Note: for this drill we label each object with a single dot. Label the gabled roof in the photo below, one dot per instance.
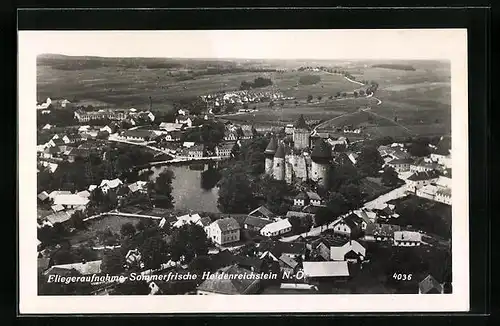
(87, 268)
(205, 221)
(261, 211)
(288, 260)
(407, 236)
(400, 161)
(428, 284)
(43, 196)
(277, 226)
(230, 285)
(302, 195)
(313, 196)
(278, 247)
(444, 146)
(338, 253)
(70, 200)
(427, 175)
(256, 222)
(111, 183)
(227, 224)
(59, 217)
(385, 230)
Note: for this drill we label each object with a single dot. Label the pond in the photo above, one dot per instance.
(194, 186)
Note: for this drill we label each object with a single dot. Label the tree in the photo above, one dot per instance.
(355, 94)
(323, 216)
(188, 241)
(76, 220)
(361, 92)
(235, 191)
(420, 147)
(276, 194)
(337, 204)
(161, 189)
(319, 98)
(330, 97)
(390, 177)
(127, 230)
(369, 161)
(344, 94)
(154, 252)
(338, 94)
(309, 98)
(113, 262)
(201, 264)
(352, 194)
(296, 225)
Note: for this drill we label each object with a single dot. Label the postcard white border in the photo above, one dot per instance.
(448, 44)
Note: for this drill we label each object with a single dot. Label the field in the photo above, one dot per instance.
(418, 100)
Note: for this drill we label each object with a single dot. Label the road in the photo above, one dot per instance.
(313, 232)
(379, 202)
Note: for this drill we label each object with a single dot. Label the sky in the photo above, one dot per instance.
(250, 44)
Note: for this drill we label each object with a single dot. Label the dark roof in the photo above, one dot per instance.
(58, 141)
(310, 209)
(301, 123)
(272, 146)
(418, 176)
(205, 221)
(321, 150)
(280, 152)
(230, 285)
(222, 259)
(256, 222)
(139, 133)
(263, 211)
(277, 248)
(83, 152)
(428, 284)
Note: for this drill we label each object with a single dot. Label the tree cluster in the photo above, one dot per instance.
(257, 83)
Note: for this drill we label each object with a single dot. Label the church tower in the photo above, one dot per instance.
(279, 163)
(269, 154)
(321, 157)
(301, 134)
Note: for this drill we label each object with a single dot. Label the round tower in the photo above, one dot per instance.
(269, 154)
(279, 163)
(321, 158)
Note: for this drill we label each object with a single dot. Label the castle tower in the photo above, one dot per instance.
(301, 134)
(321, 159)
(279, 163)
(269, 154)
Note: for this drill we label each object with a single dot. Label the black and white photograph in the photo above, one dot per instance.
(270, 165)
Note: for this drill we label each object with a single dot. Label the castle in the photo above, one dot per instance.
(298, 163)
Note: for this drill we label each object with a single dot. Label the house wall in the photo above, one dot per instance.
(300, 139)
(342, 228)
(269, 166)
(443, 199)
(406, 243)
(319, 173)
(230, 236)
(298, 202)
(279, 168)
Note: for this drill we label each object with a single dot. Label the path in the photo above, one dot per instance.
(379, 202)
(313, 232)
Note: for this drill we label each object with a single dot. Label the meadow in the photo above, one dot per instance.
(419, 100)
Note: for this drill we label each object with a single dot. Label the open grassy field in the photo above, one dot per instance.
(418, 99)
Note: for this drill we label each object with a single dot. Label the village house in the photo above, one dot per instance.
(196, 151)
(247, 132)
(170, 126)
(173, 136)
(188, 219)
(420, 179)
(442, 154)
(325, 270)
(71, 201)
(224, 149)
(276, 228)
(48, 127)
(351, 251)
(407, 238)
(58, 217)
(307, 197)
(231, 285)
(270, 248)
(137, 186)
(107, 129)
(230, 135)
(400, 165)
(367, 216)
(262, 212)
(83, 268)
(423, 164)
(55, 142)
(224, 231)
(106, 185)
(443, 195)
(137, 135)
(350, 226)
(255, 223)
(75, 153)
(430, 285)
(380, 232)
(185, 120)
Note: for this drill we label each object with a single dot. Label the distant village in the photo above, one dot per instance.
(260, 241)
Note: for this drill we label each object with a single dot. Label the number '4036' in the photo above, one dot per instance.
(402, 277)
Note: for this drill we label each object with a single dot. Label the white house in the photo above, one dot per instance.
(224, 231)
(443, 195)
(169, 126)
(420, 179)
(307, 198)
(106, 128)
(407, 238)
(47, 127)
(276, 228)
(106, 185)
(184, 120)
(224, 150)
(352, 251)
(69, 201)
(350, 226)
(187, 219)
(400, 165)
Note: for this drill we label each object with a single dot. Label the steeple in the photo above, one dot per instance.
(272, 146)
(280, 152)
(321, 151)
(301, 123)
